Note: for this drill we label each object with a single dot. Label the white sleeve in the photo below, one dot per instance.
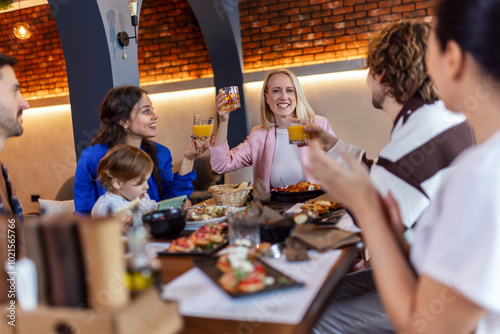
(464, 247)
(355, 151)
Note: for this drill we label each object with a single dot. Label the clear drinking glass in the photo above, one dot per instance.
(243, 226)
(233, 98)
(203, 126)
(296, 133)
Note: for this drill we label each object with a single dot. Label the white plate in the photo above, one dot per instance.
(193, 225)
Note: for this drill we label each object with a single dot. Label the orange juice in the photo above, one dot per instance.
(203, 130)
(297, 135)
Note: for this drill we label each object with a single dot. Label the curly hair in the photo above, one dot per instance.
(302, 110)
(125, 163)
(117, 107)
(399, 51)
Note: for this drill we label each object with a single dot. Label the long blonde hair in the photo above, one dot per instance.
(302, 110)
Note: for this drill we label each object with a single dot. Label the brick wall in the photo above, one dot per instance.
(275, 33)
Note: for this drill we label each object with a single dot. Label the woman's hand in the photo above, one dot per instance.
(197, 147)
(220, 100)
(326, 139)
(348, 182)
(187, 204)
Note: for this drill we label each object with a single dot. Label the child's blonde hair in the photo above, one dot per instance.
(125, 163)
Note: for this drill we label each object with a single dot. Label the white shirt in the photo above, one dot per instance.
(457, 242)
(287, 167)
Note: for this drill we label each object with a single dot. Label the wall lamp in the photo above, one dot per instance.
(123, 38)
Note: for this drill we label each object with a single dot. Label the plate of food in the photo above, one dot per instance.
(324, 212)
(239, 273)
(206, 240)
(198, 216)
(301, 191)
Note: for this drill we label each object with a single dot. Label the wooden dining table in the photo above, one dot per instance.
(175, 266)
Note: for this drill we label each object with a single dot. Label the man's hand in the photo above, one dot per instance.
(327, 140)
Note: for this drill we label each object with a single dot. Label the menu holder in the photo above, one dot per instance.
(146, 314)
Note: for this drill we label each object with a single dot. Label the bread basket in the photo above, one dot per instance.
(230, 194)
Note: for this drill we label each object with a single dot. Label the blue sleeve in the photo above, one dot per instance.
(173, 184)
(87, 189)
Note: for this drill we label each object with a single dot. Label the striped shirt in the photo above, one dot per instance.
(424, 141)
(14, 203)
(108, 204)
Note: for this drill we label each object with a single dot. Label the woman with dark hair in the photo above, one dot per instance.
(450, 284)
(128, 118)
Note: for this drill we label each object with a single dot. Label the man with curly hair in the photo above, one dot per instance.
(425, 139)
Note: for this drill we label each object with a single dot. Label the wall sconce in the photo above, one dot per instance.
(123, 38)
(21, 29)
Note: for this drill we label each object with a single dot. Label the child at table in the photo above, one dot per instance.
(124, 172)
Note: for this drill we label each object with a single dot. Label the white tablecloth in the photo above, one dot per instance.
(199, 296)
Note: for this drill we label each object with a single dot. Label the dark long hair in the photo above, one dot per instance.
(117, 107)
(475, 26)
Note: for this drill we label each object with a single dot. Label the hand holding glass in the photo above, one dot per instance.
(203, 127)
(232, 98)
(296, 133)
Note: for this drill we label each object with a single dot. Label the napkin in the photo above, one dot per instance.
(260, 192)
(295, 250)
(322, 238)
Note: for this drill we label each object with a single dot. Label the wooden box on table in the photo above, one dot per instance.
(145, 314)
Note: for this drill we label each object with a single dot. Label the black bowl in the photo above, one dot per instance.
(165, 224)
(278, 231)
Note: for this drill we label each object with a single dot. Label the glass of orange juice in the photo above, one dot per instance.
(232, 101)
(296, 133)
(203, 126)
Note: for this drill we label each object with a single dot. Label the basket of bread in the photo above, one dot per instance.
(230, 194)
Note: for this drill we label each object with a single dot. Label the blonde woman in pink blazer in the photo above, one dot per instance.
(274, 160)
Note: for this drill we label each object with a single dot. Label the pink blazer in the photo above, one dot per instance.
(258, 150)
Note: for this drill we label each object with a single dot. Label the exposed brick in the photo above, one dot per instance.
(414, 14)
(282, 47)
(355, 16)
(389, 3)
(366, 6)
(333, 18)
(316, 49)
(390, 17)
(367, 21)
(332, 4)
(310, 9)
(274, 33)
(343, 10)
(353, 2)
(404, 8)
(314, 36)
(343, 39)
(302, 44)
(300, 31)
(345, 24)
(323, 13)
(424, 4)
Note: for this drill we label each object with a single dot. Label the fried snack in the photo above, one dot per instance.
(320, 207)
(299, 187)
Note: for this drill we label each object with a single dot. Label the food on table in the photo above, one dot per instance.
(206, 236)
(242, 272)
(318, 208)
(299, 187)
(198, 213)
(301, 218)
